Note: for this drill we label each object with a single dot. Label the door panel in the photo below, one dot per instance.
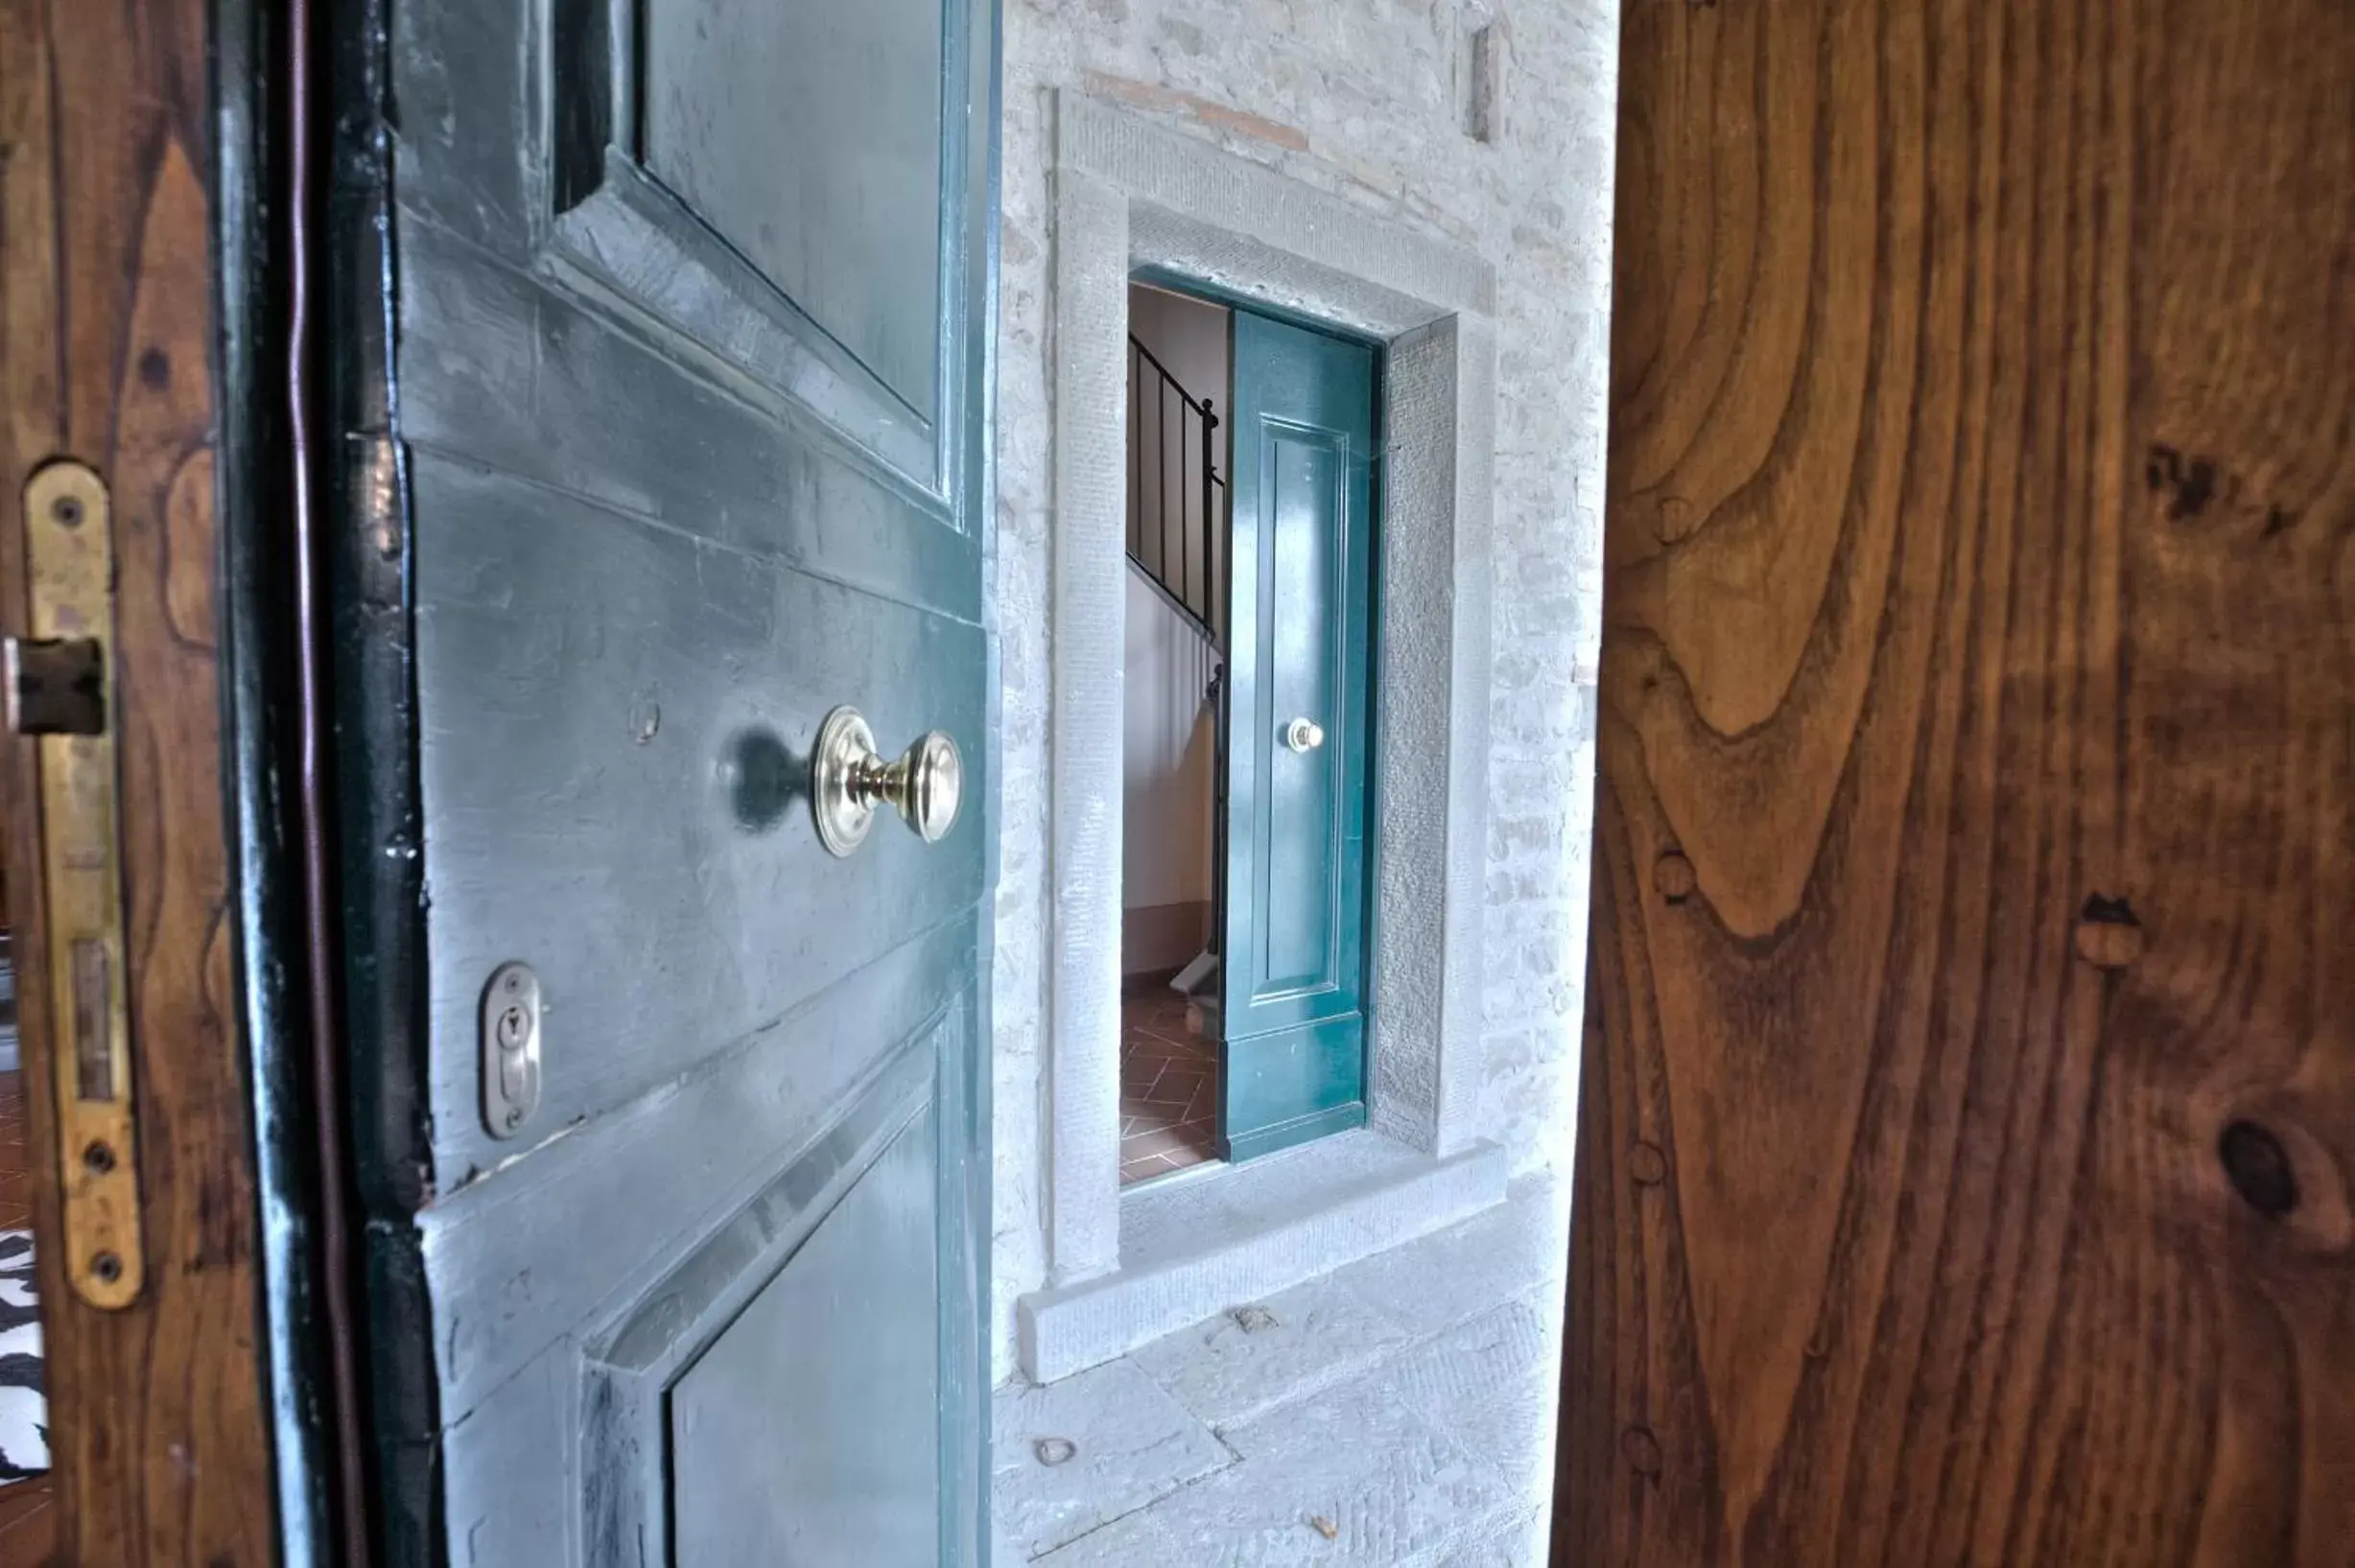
(509, 1250)
(574, 1439)
(808, 138)
(1969, 1097)
(1299, 812)
(703, 457)
(810, 238)
(864, 1489)
(627, 675)
(570, 1441)
(839, 1249)
(1294, 970)
(695, 468)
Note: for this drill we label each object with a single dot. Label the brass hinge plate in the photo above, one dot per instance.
(69, 560)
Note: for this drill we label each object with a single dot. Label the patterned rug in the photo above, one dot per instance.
(24, 1409)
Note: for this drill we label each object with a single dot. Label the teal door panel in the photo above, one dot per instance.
(1295, 1083)
(694, 312)
(1299, 724)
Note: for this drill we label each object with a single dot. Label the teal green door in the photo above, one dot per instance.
(689, 455)
(1298, 733)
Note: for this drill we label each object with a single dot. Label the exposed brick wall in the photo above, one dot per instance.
(1371, 100)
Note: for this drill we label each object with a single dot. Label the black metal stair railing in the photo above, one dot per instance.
(1177, 507)
(1176, 496)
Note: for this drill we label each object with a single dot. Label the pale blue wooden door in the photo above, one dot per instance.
(1299, 731)
(687, 306)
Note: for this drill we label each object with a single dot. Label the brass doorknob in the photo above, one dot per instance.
(848, 779)
(1304, 735)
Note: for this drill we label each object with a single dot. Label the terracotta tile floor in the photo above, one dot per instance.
(1168, 1089)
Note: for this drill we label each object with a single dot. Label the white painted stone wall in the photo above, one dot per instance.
(1166, 758)
(1371, 100)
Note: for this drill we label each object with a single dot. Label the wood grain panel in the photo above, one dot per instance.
(105, 302)
(1969, 1106)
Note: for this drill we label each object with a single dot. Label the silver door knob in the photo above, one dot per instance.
(1304, 735)
(848, 779)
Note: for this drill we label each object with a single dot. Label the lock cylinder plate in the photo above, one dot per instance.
(510, 1049)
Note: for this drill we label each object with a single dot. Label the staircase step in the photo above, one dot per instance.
(1198, 977)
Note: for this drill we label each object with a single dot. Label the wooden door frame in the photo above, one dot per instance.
(135, 282)
(236, 1263)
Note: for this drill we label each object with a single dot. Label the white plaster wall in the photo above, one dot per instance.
(1370, 100)
(1165, 756)
(1189, 338)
